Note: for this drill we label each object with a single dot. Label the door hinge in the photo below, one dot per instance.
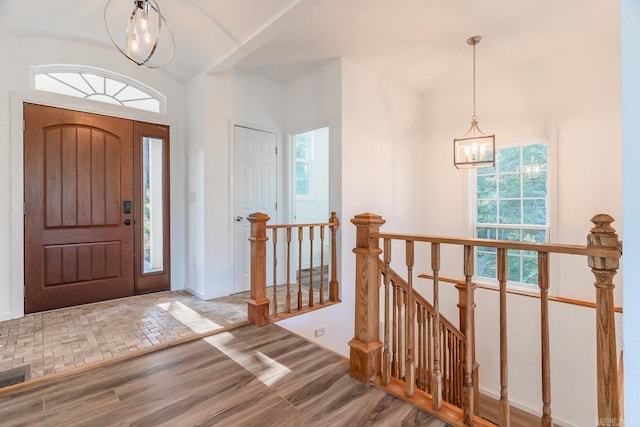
(24, 125)
(24, 208)
(276, 151)
(276, 205)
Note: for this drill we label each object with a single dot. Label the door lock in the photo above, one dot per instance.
(127, 222)
(239, 219)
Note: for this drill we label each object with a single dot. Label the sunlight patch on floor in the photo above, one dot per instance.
(267, 370)
(189, 317)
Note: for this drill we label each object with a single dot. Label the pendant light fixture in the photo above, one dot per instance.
(138, 37)
(475, 149)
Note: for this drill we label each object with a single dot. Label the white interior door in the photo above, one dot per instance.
(255, 191)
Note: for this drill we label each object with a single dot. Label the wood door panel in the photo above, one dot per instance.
(80, 170)
(62, 263)
(82, 178)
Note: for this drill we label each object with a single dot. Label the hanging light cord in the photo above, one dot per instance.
(474, 118)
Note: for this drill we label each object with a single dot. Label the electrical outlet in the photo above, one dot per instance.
(319, 331)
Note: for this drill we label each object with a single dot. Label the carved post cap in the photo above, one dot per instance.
(604, 236)
(258, 217)
(602, 224)
(334, 218)
(367, 219)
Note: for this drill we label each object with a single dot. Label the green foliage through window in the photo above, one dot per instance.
(511, 204)
(302, 144)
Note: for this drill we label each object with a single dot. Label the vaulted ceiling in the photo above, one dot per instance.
(417, 43)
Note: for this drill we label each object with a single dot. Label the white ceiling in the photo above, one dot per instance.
(417, 43)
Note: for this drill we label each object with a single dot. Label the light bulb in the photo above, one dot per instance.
(133, 43)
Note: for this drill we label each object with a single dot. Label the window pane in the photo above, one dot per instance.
(513, 266)
(535, 155)
(486, 265)
(486, 187)
(509, 159)
(152, 179)
(530, 270)
(301, 141)
(534, 184)
(487, 212)
(509, 185)
(534, 236)
(89, 85)
(302, 178)
(535, 211)
(510, 212)
(509, 234)
(486, 233)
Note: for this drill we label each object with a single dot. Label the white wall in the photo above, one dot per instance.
(576, 97)
(20, 54)
(215, 104)
(630, 14)
(381, 149)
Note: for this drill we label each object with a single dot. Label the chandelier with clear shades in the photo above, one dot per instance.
(139, 37)
(475, 149)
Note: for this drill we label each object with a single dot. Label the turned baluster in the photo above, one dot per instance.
(396, 332)
(421, 332)
(333, 285)
(288, 269)
(300, 237)
(322, 264)
(311, 266)
(410, 369)
(468, 403)
(274, 237)
(504, 415)
(436, 377)
(543, 282)
(603, 236)
(429, 364)
(386, 357)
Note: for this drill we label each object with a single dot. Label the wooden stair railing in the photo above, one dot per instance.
(439, 343)
(371, 359)
(307, 293)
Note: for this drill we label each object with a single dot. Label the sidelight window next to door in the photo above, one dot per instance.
(96, 198)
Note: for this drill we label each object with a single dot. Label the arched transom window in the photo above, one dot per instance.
(99, 85)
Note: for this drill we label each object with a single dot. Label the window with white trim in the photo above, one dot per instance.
(97, 84)
(511, 203)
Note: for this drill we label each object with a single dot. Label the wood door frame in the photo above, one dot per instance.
(279, 191)
(17, 169)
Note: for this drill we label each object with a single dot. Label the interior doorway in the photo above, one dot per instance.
(310, 185)
(93, 196)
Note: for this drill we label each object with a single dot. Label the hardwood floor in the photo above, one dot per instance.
(247, 376)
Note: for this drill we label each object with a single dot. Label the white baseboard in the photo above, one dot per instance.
(208, 295)
(7, 316)
(535, 411)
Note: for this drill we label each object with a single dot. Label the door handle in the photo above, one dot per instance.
(239, 219)
(127, 222)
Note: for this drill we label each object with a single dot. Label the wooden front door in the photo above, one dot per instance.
(79, 231)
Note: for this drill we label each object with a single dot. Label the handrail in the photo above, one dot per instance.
(508, 244)
(562, 300)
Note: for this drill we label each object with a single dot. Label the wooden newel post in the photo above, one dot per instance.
(603, 236)
(258, 303)
(365, 353)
